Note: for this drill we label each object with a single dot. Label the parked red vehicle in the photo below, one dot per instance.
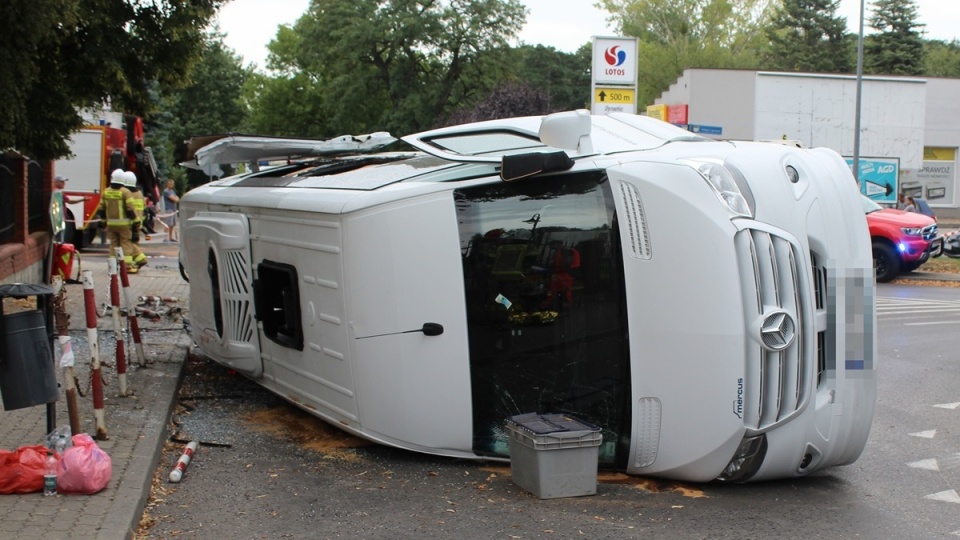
(902, 241)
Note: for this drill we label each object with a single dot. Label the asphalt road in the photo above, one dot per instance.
(268, 470)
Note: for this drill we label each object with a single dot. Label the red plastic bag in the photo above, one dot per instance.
(84, 467)
(21, 471)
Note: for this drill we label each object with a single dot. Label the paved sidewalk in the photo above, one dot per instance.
(136, 425)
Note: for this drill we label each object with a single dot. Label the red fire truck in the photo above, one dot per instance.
(110, 141)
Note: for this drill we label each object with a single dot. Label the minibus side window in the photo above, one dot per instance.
(277, 298)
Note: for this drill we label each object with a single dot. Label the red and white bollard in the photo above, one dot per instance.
(90, 303)
(133, 324)
(147, 312)
(117, 325)
(151, 299)
(177, 473)
(67, 358)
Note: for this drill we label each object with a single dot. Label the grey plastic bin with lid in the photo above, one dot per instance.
(554, 455)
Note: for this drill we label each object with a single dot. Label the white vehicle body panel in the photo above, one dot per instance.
(690, 369)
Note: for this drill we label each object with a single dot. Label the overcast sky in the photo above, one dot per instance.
(564, 24)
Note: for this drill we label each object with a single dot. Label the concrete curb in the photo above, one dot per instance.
(123, 520)
(929, 276)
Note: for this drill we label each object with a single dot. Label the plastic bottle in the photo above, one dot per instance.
(50, 475)
(61, 444)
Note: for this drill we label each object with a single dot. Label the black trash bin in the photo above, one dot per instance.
(27, 376)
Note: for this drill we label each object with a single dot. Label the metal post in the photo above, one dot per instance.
(67, 358)
(117, 326)
(45, 305)
(856, 120)
(90, 303)
(133, 324)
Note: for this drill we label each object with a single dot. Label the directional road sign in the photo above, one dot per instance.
(614, 96)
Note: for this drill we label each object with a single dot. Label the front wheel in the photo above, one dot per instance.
(886, 262)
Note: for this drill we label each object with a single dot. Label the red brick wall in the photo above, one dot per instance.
(27, 248)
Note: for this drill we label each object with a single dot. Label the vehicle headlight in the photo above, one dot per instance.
(911, 231)
(746, 460)
(733, 192)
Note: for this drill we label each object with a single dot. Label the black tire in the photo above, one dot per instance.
(886, 262)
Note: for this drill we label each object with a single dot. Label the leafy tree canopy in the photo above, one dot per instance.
(61, 55)
(397, 65)
(941, 59)
(808, 35)
(896, 48)
(679, 34)
(211, 102)
(511, 99)
(563, 78)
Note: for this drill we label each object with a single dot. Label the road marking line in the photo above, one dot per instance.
(928, 464)
(950, 406)
(930, 323)
(925, 434)
(950, 496)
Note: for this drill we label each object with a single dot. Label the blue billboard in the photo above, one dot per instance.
(879, 178)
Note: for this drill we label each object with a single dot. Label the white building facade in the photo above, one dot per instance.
(912, 123)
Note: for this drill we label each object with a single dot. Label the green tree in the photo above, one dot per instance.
(941, 59)
(510, 99)
(896, 48)
(61, 55)
(397, 65)
(289, 100)
(212, 102)
(808, 35)
(564, 78)
(678, 34)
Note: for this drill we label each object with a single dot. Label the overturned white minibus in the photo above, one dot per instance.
(709, 305)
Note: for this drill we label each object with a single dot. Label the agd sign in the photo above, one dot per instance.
(879, 178)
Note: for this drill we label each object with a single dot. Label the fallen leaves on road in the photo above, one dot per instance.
(926, 283)
(308, 431)
(607, 477)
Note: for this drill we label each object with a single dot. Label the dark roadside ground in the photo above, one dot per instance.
(266, 469)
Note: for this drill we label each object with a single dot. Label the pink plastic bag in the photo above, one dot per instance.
(21, 471)
(84, 467)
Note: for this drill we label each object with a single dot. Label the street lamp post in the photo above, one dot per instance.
(856, 118)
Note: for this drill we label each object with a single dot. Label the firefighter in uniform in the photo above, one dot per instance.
(139, 204)
(116, 213)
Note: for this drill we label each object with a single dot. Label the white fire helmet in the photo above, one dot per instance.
(118, 177)
(131, 179)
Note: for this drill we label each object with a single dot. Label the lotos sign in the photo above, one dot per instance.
(614, 60)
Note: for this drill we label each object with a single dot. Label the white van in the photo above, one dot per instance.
(709, 305)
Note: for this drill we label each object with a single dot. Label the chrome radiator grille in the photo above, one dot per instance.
(776, 377)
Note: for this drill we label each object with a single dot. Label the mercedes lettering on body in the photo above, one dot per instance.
(709, 305)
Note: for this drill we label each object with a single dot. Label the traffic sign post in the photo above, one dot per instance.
(614, 76)
(614, 99)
